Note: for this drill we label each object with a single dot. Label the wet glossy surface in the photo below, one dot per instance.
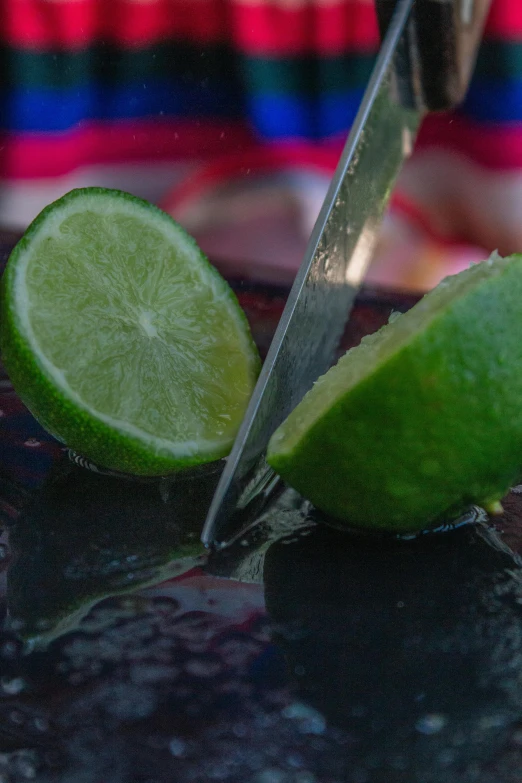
(126, 657)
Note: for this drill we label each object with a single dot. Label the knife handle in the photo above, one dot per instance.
(435, 64)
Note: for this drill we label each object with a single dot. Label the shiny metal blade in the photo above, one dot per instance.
(330, 275)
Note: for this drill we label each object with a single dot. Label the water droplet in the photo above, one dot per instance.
(25, 766)
(32, 443)
(295, 760)
(310, 721)
(431, 723)
(492, 722)
(177, 747)
(40, 724)
(18, 765)
(12, 686)
(164, 490)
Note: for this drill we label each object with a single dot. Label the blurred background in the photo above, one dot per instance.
(231, 115)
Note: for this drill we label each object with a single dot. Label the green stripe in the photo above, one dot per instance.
(111, 66)
(307, 75)
(312, 75)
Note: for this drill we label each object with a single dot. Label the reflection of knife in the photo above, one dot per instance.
(424, 64)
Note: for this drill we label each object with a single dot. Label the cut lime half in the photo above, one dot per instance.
(424, 417)
(121, 338)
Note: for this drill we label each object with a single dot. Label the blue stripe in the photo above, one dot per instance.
(58, 110)
(275, 116)
(282, 116)
(337, 112)
(494, 101)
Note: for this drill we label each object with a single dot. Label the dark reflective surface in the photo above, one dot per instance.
(84, 536)
(414, 648)
(126, 657)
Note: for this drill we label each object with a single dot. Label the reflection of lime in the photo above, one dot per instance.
(121, 338)
(422, 419)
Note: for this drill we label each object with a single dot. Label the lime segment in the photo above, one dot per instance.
(122, 339)
(424, 417)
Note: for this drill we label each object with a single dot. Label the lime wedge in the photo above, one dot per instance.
(121, 338)
(424, 417)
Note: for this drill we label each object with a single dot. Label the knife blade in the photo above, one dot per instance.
(425, 63)
(319, 303)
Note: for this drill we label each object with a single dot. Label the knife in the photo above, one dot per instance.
(424, 64)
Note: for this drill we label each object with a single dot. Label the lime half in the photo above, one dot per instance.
(121, 338)
(424, 417)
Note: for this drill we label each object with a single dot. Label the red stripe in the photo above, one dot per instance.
(39, 24)
(257, 28)
(491, 145)
(261, 28)
(505, 20)
(32, 156)
(324, 29)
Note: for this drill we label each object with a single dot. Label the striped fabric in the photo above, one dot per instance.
(94, 82)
